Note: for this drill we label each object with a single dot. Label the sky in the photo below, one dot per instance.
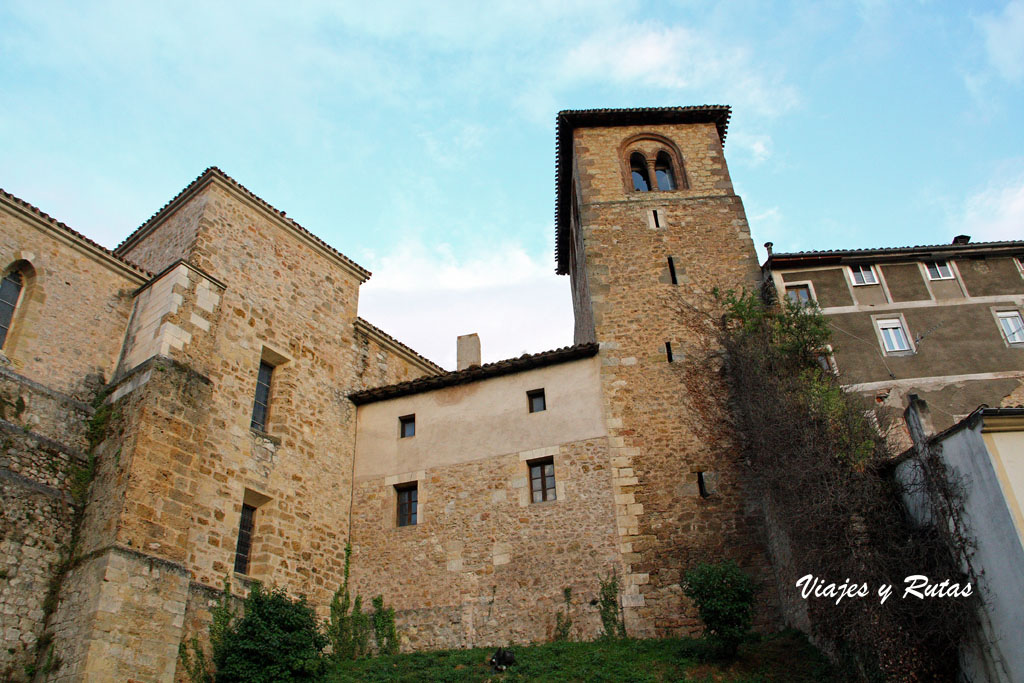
(418, 137)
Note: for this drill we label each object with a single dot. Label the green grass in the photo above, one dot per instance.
(783, 657)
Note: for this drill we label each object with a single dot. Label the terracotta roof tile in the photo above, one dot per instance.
(39, 213)
(213, 171)
(475, 373)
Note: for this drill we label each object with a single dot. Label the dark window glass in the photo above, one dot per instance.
(245, 527)
(10, 290)
(407, 426)
(542, 480)
(799, 294)
(638, 168)
(259, 405)
(407, 496)
(536, 400)
(663, 174)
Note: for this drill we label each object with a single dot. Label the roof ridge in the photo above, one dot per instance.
(475, 372)
(214, 171)
(865, 250)
(405, 346)
(39, 213)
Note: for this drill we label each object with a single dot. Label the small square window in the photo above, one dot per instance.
(799, 294)
(1012, 326)
(406, 426)
(894, 336)
(939, 270)
(542, 480)
(535, 399)
(407, 495)
(863, 275)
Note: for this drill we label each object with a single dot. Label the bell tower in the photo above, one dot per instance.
(648, 228)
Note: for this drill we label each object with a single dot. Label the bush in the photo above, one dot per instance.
(278, 639)
(724, 595)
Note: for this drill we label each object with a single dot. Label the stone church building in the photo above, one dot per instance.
(244, 421)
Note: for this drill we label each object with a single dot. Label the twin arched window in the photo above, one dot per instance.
(664, 175)
(10, 292)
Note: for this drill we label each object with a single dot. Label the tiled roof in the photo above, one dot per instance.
(476, 373)
(570, 119)
(923, 250)
(42, 215)
(382, 333)
(214, 172)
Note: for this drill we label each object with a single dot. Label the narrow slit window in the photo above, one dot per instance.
(407, 426)
(663, 174)
(672, 271)
(535, 399)
(638, 170)
(10, 291)
(262, 400)
(408, 498)
(244, 547)
(668, 351)
(657, 221)
(542, 480)
(702, 486)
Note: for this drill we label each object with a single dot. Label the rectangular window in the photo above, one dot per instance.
(1012, 326)
(672, 270)
(262, 400)
(1019, 260)
(863, 275)
(799, 294)
(406, 426)
(894, 336)
(407, 498)
(535, 399)
(542, 479)
(939, 270)
(668, 352)
(245, 528)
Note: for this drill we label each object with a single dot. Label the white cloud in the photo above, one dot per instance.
(425, 297)
(1004, 40)
(752, 148)
(677, 58)
(996, 213)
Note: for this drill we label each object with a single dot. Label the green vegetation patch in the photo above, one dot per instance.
(783, 657)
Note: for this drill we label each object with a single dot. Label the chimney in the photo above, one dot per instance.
(768, 247)
(961, 239)
(468, 350)
(919, 421)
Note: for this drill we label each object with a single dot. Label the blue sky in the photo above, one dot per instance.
(418, 137)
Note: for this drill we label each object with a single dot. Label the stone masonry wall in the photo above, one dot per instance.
(68, 283)
(41, 442)
(170, 240)
(484, 566)
(668, 422)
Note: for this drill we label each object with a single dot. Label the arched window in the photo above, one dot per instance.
(638, 168)
(10, 291)
(663, 174)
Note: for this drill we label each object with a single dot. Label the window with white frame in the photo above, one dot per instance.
(939, 270)
(799, 294)
(894, 335)
(1019, 260)
(863, 275)
(1012, 326)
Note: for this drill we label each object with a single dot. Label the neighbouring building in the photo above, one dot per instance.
(237, 418)
(943, 322)
(983, 457)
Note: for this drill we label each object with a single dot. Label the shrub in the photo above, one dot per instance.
(278, 639)
(384, 627)
(724, 595)
(563, 622)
